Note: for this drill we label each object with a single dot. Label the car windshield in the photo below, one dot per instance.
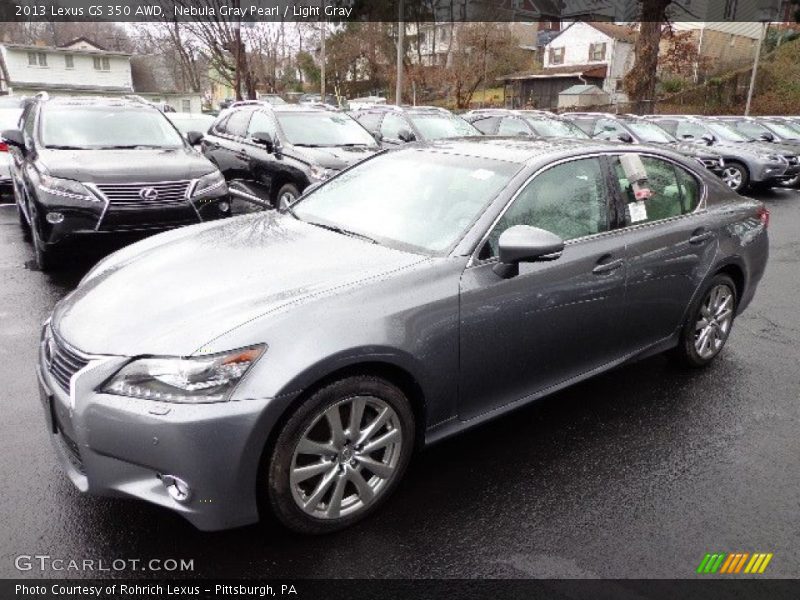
(784, 130)
(554, 128)
(413, 199)
(438, 126)
(9, 118)
(186, 123)
(274, 100)
(93, 127)
(323, 129)
(726, 133)
(649, 133)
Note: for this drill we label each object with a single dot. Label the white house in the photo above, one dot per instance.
(80, 67)
(596, 46)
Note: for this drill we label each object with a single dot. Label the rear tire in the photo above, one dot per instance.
(339, 456)
(709, 323)
(286, 194)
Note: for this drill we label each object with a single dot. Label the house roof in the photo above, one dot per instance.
(618, 32)
(591, 71)
(62, 50)
(577, 90)
(153, 74)
(85, 40)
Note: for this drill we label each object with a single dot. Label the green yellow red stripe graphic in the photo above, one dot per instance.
(731, 563)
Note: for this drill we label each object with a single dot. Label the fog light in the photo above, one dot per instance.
(54, 217)
(224, 207)
(177, 488)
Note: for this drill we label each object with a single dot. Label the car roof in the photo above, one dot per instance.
(96, 101)
(522, 150)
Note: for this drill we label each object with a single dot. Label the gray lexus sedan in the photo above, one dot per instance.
(290, 362)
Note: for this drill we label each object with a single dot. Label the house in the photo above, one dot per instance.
(721, 46)
(583, 53)
(155, 80)
(79, 67)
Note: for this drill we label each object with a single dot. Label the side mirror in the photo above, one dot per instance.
(194, 137)
(766, 137)
(708, 138)
(14, 137)
(406, 135)
(265, 139)
(625, 137)
(523, 243)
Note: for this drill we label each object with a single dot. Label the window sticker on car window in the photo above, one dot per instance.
(637, 211)
(482, 174)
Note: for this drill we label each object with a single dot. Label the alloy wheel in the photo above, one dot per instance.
(714, 321)
(346, 458)
(286, 199)
(732, 177)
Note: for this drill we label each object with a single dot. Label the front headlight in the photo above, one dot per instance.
(196, 379)
(65, 188)
(771, 157)
(209, 183)
(320, 173)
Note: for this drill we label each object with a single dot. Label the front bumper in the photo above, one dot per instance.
(116, 446)
(766, 172)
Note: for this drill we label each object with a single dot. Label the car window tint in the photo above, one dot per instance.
(685, 128)
(260, 123)
(487, 125)
(569, 200)
(237, 123)
(753, 130)
(605, 128)
(30, 119)
(391, 126)
(586, 124)
(370, 121)
(672, 191)
(513, 126)
(219, 126)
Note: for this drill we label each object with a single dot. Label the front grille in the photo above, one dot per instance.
(64, 362)
(792, 160)
(73, 451)
(139, 194)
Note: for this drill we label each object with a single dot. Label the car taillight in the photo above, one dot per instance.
(763, 216)
(3, 147)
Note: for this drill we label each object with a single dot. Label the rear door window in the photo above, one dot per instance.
(236, 125)
(655, 189)
(370, 121)
(260, 123)
(487, 125)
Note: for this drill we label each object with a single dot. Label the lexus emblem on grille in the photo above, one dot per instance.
(148, 193)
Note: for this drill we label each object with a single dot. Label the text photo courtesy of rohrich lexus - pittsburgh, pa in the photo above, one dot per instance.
(360, 299)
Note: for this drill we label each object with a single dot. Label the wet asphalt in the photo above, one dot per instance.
(636, 473)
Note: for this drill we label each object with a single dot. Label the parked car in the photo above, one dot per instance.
(9, 119)
(522, 122)
(270, 154)
(274, 99)
(395, 125)
(747, 163)
(291, 361)
(632, 129)
(95, 166)
(782, 137)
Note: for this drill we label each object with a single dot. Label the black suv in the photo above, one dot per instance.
(92, 165)
(633, 129)
(395, 125)
(270, 154)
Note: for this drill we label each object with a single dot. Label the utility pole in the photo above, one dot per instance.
(764, 26)
(237, 40)
(322, 67)
(401, 29)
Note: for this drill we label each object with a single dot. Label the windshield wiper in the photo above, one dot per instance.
(60, 147)
(130, 147)
(343, 231)
(308, 145)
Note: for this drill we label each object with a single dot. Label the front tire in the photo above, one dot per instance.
(709, 323)
(735, 176)
(45, 256)
(285, 195)
(340, 455)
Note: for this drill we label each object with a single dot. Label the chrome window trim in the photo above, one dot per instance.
(700, 208)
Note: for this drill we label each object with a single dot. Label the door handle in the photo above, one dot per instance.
(607, 267)
(701, 236)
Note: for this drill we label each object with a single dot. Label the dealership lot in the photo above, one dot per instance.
(637, 473)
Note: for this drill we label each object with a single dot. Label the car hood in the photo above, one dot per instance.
(175, 292)
(123, 166)
(333, 157)
(733, 149)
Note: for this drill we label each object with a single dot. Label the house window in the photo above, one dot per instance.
(597, 51)
(186, 105)
(69, 61)
(101, 63)
(557, 56)
(37, 59)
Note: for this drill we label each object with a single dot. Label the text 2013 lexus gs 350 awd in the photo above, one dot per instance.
(291, 361)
